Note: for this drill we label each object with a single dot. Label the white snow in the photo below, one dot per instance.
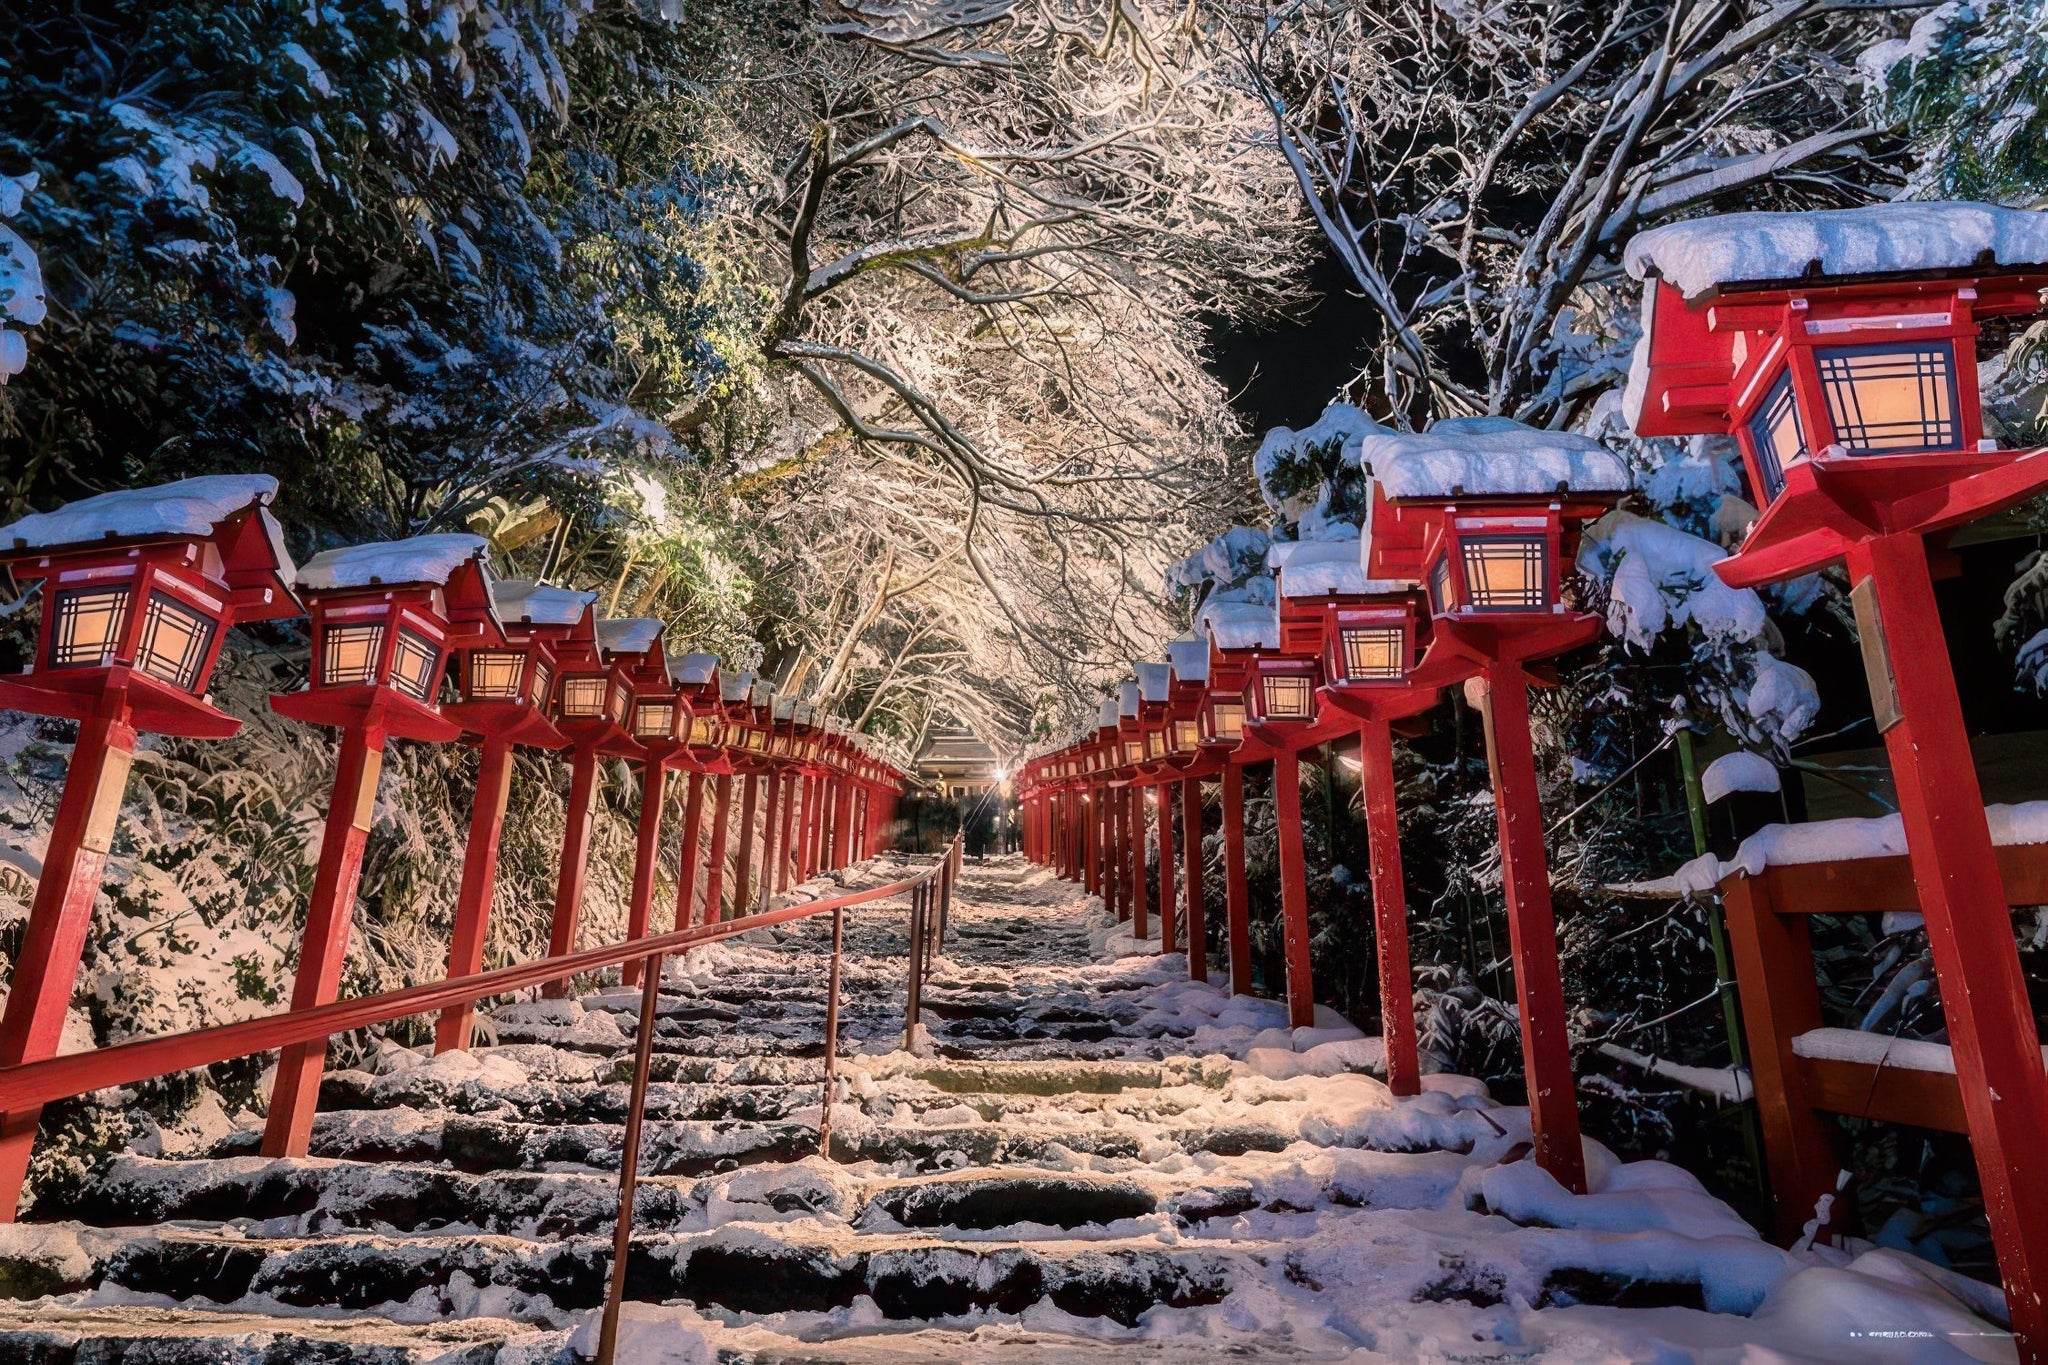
(1231, 557)
(627, 634)
(1153, 680)
(1190, 658)
(1845, 840)
(21, 279)
(1106, 714)
(420, 559)
(734, 686)
(1706, 253)
(187, 507)
(1660, 578)
(1240, 625)
(1341, 423)
(539, 604)
(1741, 771)
(1782, 699)
(1490, 456)
(692, 670)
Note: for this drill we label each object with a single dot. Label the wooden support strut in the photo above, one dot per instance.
(453, 1030)
(1532, 928)
(1301, 992)
(323, 945)
(646, 859)
(46, 967)
(1389, 906)
(687, 860)
(1992, 1034)
(1237, 896)
(1163, 808)
(743, 870)
(1134, 825)
(1191, 876)
(575, 868)
(721, 826)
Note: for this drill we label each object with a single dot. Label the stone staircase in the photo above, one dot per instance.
(1082, 1158)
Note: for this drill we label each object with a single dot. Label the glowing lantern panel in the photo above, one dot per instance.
(415, 665)
(1286, 697)
(90, 623)
(582, 696)
(1226, 720)
(1504, 573)
(1374, 653)
(1891, 400)
(349, 655)
(494, 674)
(653, 719)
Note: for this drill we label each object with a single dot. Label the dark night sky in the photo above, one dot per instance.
(1287, 374)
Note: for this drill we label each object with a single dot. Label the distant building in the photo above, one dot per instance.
(956, 763)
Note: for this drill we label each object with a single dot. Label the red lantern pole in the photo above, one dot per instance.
(1163, 809)
(785, 851)
(575, 862)
(324, 943)
(1389, 906)
(1134, 824)
(743, 880)
(1191, 874)
(1237, 896)
(687, 863)
(771, 850)
(61, 915)
(1301, 997)
(721, 825)
(646, 857)
(1532, 928)
(806, 824)
(456, 1024)
(842, 826)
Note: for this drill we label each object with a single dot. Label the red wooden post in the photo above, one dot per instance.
(1389, 906)
(687, 863)
(324, 944)
(61, 915)
(806, 824)
(1163, 808)
(1984, 1002)
(1191, 874)
(743, 871)
(721, 826)
(646, 859)
(1532, 928)
(1301, 991)
(771, 785)
(842, 826)
(1237, 896)
(575, 865)
(786, 855)
(452, 1031)
(1134, 824)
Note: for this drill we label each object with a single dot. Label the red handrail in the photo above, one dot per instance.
(54, 1078)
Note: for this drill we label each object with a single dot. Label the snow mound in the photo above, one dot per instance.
(1660, 577)
(1782, 698)
(1481, 456)
(1341, 423)
(421, 559)
(1877, 239)
(1741, 771)
(1846, 840)
(188, 507)
(1228, 559)
(540, 604)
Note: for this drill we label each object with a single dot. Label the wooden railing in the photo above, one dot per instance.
(33, 1084)
(1772, 947)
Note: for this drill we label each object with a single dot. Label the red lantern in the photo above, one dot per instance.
(1840, 350)
(139, 588)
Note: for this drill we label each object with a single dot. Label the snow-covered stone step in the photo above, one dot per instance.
(133, 1334)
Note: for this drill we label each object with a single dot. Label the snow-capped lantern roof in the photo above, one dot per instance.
(1326, 568)
(734, 686)
(1108, 713)
(628, 634)
(1487, 457)
(1238, 626)
(761, 694)
(785, 708)
(1747, 252)
(527, 602)
(229, 511)
(1153, 681)
(1190, 660)
(1127, 699)
(418, 560)
(693, 670)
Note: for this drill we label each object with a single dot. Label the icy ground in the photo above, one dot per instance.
(1088, 1157)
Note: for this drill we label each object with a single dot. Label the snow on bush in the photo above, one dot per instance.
(1741, 771)
(1298, 471)
(21, 278)
(1704, 253)
(1231, 558)
(1660, 578)
(1781, 700)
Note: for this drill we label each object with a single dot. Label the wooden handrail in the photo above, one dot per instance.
(1854, 886)
(54, 1078)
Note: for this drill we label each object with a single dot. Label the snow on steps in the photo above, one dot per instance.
(1097, 1157)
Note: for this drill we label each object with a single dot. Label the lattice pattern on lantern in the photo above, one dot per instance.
(615, 706)
(350, 655)
(1374, 653)
(583, 695)
(175, 639)
(1286, 697)
(1226, 719)
(1186, 735)
(757, 740)
(90, 622)
(1504, 573)
(653, 719)
(706, 730)
(414, 664)
(1134, 750)
(1891, 399)
(494, 674)
(1777, 437)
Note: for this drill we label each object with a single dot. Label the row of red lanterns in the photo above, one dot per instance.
(1838, 350)
(139, 588)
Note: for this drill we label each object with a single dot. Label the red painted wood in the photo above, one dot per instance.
(1532, 929)
(842, 827)
(1237, 897)
(323, 945)
(1134, 827)
(1389, 906)
(785, 852)
(806, 825)
(60, 917)
(721, 834)
(743, 869)
(1301, 991)
(646, 859)
(1969, 929)
(1191, 877)
(453, 1029)
(1163, 808)
(575, 866)
(688, 862)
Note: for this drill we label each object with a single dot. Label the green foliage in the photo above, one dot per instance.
(1968, 86)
